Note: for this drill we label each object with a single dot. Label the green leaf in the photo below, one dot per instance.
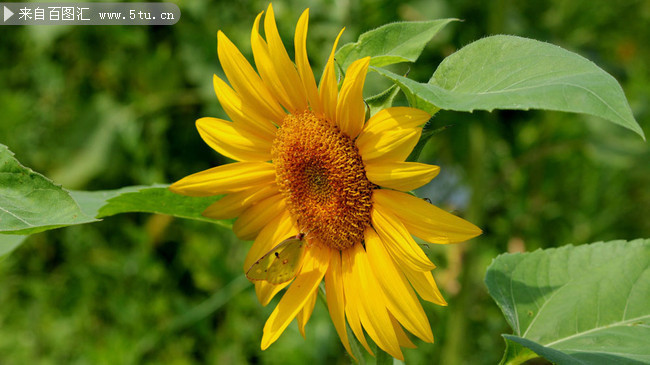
(391, 43)
(516, 354)
(577, 304)
(147, 199)
(30, 202)
(508, 72)
(419, 95)
(9, 242)
(382, 100)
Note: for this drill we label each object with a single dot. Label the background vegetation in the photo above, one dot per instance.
(101, 107)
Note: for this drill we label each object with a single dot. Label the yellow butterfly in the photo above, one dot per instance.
(282, 263)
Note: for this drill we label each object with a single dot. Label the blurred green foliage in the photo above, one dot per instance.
(101, 107)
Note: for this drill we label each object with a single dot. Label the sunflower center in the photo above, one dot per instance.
(322, 178)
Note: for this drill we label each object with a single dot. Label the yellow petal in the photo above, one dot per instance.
(400, 298)
(225, 179)
(277, 71)
(372, 311)
(350, 108)
(390, 146)
(266, 291)
(395, 117)
(425, 286)
(265, 65)
(398, 241)
(305, 313)
(283, 66)
(328, 89)
(391, 134)
(316, 262)
(425, 220)
(336, 299)
(244, 115)
(302, 63)
(276, 231)
(404, 176)
(239, 145)
(245, 81)
(402, 337)
(232, 205)
(352, 299)
(251, 222)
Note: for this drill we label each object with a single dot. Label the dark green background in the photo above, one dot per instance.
(102, 107)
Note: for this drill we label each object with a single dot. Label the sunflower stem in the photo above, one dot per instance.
(383, 358)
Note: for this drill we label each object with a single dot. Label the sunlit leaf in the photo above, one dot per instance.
(148, 199)
(577, 304)
(391, 43)
(508, 72)
(30, 202)
(8, 242)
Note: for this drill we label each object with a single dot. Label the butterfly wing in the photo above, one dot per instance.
(281, 264)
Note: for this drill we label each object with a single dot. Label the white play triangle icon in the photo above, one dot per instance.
(8, 13)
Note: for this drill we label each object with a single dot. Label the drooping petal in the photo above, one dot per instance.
(328, 89)
(391, 134)
(336, 299)
(398, 241)
(352, 299)
(403, 176)
(404, 340)
(350, 108)
(373, 312)
(225, 179)
(243, 114)
(234, 204)
(239, 145)
(276, 231)
(316, 262)
(302, 63)
(425, 220)
(305, 313)
(425, 286)
(248, 225)
(283, 66)
(245, 80)
(401, 299)
(265, 291)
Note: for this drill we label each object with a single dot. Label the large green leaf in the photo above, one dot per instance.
(8, 242)
(30, 202)
(586, 304)
(391, 43)
(148, 199)
(508, 72)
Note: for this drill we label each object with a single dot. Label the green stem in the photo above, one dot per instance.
(383, 358)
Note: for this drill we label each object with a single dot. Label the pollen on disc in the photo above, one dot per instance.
(322, 178)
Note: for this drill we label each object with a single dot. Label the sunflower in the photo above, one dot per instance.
(308, 162)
